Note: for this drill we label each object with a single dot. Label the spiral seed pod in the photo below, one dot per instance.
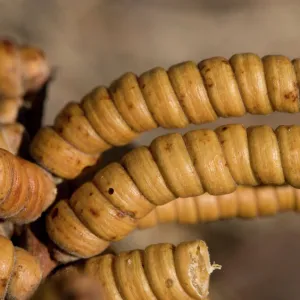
(20, 273)
(245, 202)
(23, 69)
(184, 94)
(162, 271)
(174, 166)
(26, 189)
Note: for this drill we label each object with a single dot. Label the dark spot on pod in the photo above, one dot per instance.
(224, 128)
(209, 82)
(292, 95)
(54, 213)
(169, 283)
(3, 282)
(111, 191)
(168, 146)
(91, 194)
(94, 212)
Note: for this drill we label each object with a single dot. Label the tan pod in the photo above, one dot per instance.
(245, 202)
(184, 94)
(161, 271)
(20, 272)
(23, 69)
(26, 189)
(200, 161)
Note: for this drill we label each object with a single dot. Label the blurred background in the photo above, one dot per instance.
(92, 42)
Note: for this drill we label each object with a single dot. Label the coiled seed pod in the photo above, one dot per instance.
(174, 166)
(245, 202)
(20, 272)
(161, 271)
(26, 189)
(184, 94)
(23, 69)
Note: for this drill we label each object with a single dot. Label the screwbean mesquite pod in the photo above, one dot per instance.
(185, 93)
(245, 202)
(20, 272)
(161, 271)
(23, 69)
(26, 189)
(214, 161)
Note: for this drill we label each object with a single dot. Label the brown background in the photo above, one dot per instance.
(91, 42)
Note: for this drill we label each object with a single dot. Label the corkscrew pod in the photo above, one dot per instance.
(20, 272)
(184, 94)
(26, 189)
(245, 202)
(23, 69)
(161, 271)
(108, 208)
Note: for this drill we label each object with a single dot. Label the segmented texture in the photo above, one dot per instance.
(23, 69)
(108, 208)
(20, 272)
(26, 190)
(186, 93)
(161, 271)
(245, 202)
